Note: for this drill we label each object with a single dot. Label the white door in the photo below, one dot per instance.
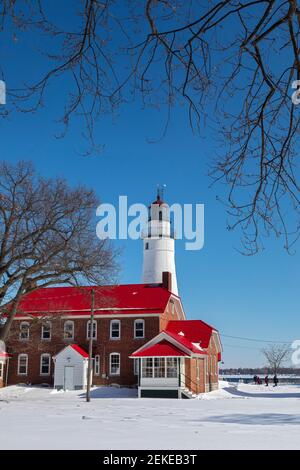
(69, 378)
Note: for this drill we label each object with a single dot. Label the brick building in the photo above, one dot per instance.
(140, 333)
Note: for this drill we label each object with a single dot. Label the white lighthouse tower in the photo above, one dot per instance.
(159, 245)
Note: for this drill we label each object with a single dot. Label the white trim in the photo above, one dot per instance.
(1, 369)
(164, 335)
(66, 347)
(216, 335)
(19, 358)
(41, 359)
(141, 320)
(73, 317)
(116, 321)
(179, 300)
(136, 365)
(97, 364)
(110, 372)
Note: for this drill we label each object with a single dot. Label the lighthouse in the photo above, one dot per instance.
(159, 245)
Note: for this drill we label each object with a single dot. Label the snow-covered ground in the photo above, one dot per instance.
(234, 417)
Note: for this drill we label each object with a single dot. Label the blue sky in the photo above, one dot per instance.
(256, 297)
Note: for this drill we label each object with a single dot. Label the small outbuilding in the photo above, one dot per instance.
(70, 368)
(4, 359)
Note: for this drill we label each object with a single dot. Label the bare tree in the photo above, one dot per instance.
(276, 355)
(46, 237)
(232, 63)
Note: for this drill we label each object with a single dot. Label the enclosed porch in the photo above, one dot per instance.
(161, 371)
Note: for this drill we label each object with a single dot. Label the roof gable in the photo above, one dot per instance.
(75, 348)
(162, 349)
(193, 331)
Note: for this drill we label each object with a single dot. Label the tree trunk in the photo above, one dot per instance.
(4, 331)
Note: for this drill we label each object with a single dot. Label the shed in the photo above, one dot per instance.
(70, 368)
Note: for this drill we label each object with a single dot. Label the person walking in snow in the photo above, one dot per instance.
(255, 379)
(267, 380)
(275, 380)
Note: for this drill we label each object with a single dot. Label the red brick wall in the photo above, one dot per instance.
(172, 312)
(195, 375)
(206, 378)
(212, 366)
(103, 346)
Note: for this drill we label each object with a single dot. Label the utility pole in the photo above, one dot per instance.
(89, 372)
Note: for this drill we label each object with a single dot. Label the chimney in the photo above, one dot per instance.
(167, 280)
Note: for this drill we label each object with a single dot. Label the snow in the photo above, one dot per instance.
(234, 417)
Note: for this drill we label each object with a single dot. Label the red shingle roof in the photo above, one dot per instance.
(120, 299)
(161, 349)
(194, 331)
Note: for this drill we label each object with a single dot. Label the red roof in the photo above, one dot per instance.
(162, 349)
(4, 354)
(190, 331)
(120, 299)
(79, 350)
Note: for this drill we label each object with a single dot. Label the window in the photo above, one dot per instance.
(139, 328)
(160, 216)
(24, 330)
(147, 246)
(22, 364)
(115, 329)
(172, 307)
(159, 367)
(136, 366)
(1, 370)
(69, 330)
(88, 330)
(46, 330)
(147, 370)
(97, 365)
(114, 364)
(171, 367)
(45, 364)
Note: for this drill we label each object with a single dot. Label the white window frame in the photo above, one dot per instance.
(93, 330)
(1, 369)
(41, 361)
(70, 322)
(48, 322)
(136, 366)
(23, 323)
(152, 367)
(110, 364)
(97, 364)
(139, 320)
(19, 360)
(116, 322)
